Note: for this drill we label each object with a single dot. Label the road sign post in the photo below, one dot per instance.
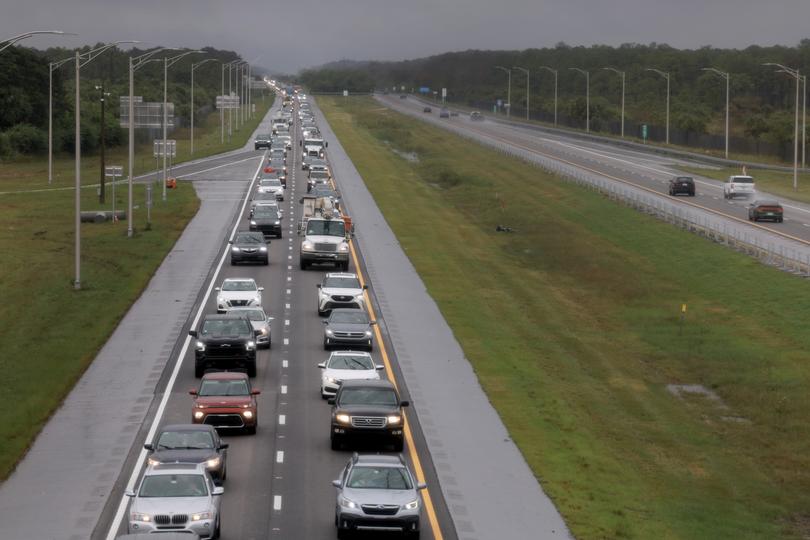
(444, 95)
(148, 206)
(644, 133)
(112, 171)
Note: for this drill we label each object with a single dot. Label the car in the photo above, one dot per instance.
(190, 443)
(444, 113)
(278, 152)
(370, 410)
(340, 290)
(267, 200)
(766, 209)
(176, 497)
(349, 327)
(317, 177)
(682, 184)
(286, 139)
(262, 141)
(377, 492)
(277, 164)
(324, 242)
(238, 292)
(226, 342)
(272, 185)
(476, 116)
(403, 96)
(225, 401)
(345, 366)
(266, 220)
(261, 324)
(248, 246)
(427, 110)
(453, 113)
(737, 185)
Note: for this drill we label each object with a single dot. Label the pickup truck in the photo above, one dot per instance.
(738, 185)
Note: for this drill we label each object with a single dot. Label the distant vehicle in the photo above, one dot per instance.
(682, 184)
(444, 113)
(738, 185)
(262, 141)
(170, 496)
(377, 491)
(268, 202)
(317, 177)
(349, 328)
(238, 292)
(190, 443)
(225, 342)
(427, 110)
(225, 401)
(403, 96)
(340, 290)
(453, 113)
(261, 324)
(346, 366)
(272, 185)
(766, 209)
(249, 246)
(475, 115)
(266, 220)
(367, 409)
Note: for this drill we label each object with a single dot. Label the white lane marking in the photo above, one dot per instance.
(290, 248)
(217, 167)
(282, 419)
(289, 267)
(276, 502)
(289, 257)
(286, 322)
(286, 306)
(284, 363)
(283, 388)
(289, 278)
(286, 341)
(289, 291)
(280, 456)
(136, 471)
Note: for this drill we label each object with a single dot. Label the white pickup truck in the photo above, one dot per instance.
(738, 186)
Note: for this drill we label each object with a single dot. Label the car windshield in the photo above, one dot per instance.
(185, 440)
(320, 174)
(264, 197)
(332, 282)
(742, 180)
(174, 485)
(332, 227)
(252, 314)
(239, 285)
(272, 182)
(352, 316)
(379, 478)
(368, 396)
(684, 179)
(224, 388)
(224, 327)
(360, 362)
(248, 239)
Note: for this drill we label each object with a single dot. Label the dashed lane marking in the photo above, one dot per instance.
(276, 502)
(282, 419)
(280, 456)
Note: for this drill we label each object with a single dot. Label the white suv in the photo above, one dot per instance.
(346, 365)
(340, 290)
(738, 185)
(238, 292)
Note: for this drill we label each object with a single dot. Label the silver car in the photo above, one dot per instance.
(340, 290)
(260, 321)
(178, 497)
(377, 492)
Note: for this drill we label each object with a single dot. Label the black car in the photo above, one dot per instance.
(427, 110)
(403, 96)
(682, 184)
(759, 210)
(190, 443)
(349, 327)
(266, 220)
(248, 246)
(370, 409)
(225, 342)
(262, 141)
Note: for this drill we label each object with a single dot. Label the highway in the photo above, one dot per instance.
(279, 480)
(648, 172)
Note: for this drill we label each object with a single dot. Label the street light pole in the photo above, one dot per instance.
(528, 78)
(665, 75)
(101, 194)
(622, 74)
(193, 67)
(555, 72)
(587, 97)
(53, 66)
(508, 90)
(727, 77)
(795, 74)
(804, 118)
(6, 43)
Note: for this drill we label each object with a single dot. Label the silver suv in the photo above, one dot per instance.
(340, 290)
(377, 492)
(179, 497)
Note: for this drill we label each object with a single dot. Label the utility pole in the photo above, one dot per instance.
(555, 72)
(101, 194)
(665, 75)
(795, 74)
(587, 97)
(508, 90)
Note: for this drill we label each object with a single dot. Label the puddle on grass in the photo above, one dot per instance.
(698, 390)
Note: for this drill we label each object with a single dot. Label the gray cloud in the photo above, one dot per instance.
(299, 33)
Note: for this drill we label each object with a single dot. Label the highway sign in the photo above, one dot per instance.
(113, 171)
(424, 90)
(345, 93)
(157, 150)
(444, 92)
(644, 132)
(228, 102)
(147, 114)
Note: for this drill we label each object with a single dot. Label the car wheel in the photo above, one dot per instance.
(216, 530)
(326, 345)
(266, 261)
(781, 219)
(199, 370)
(335, 443)
(279, 234)
(399, 445)
(251, 430)
(251, 368)
(342, 534)
(303, 265)
(233, 262)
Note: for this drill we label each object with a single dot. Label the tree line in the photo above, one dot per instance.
(761, 105)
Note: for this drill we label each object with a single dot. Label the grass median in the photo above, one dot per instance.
(51, 332)
(639, 420)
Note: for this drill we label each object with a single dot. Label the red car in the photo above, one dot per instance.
(759, 210)
(226, 401)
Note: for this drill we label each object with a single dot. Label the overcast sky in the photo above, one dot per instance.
(293, 34)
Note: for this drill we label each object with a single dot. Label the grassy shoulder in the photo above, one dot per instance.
(775, 182)
(575, 332)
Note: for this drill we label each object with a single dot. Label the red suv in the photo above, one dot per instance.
(225, 400)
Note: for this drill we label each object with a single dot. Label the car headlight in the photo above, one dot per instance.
(394, 419)
(247, 414)
(213, 462)
(263, 249)
(235, 249)
(198, 415)
(257, 300)
(329, 332)
(358, 296)
(343, 418)
(153, 461)
(277, 222)
(250, 345)
(413, 505)
(343, 247)
(220, 300)
(200, 346)
(137, 516)
(346, 503)
(306, 245)
(264, 331)
(201, 515)
(253, 222)
(331, 380)
(368, 333)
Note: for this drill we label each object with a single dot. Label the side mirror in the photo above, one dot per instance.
(269, 319)
(420, 486)
(365, 287)
(192, 333)
(257, 333)
(326, 145)
(223, 446)
(261, 288)
(193, 391)
(129, 493)
(217, 288)
(255, 392)
(149, 446)
(218, 490)
(337, 483)
(379, 367)
(372, 323)
(404, 403)
(322, 365)
(318, 285)
(325, 322)
(230, 241)
(331, 401)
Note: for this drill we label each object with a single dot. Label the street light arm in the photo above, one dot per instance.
(89, 56)
(198, 64)
(524, 70)
(578, 70)
(140, 61)
(173, 60)
(723, 74)
(6, 43)
(664, 74)
(550, 70)
(614, 70)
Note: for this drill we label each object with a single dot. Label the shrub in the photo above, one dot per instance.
(27, 139)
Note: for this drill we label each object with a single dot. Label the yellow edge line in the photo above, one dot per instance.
(417, 464)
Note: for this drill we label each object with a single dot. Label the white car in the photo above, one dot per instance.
(340, 290)
(344, 366)
(272, 185)
(265, 202)
(286, 139)
(238, 292)
(260, 321)
(738, 185)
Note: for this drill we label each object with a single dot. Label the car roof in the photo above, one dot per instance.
(767, 202)
(239, 279)
(224, 375)
(174, 468)
(350, 353)
(347, 310)
(187, 427)
(340, 274)
(378, 459)
(224, 316)
(367, 383)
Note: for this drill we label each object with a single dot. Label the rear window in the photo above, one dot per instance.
(742, 179)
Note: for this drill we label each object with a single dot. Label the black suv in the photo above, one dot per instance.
(262, 141)
(266, 220)
(367, 408)
(249, 247)
(225, 342)
(682, 184)
(190, 443)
